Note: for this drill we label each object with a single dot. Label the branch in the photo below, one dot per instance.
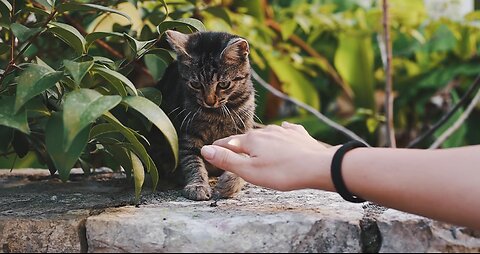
(389, 80)
(310, 109)
(312, 52)
(457, 123)
(11, 64)
(473, 87)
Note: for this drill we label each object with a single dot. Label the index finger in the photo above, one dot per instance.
(236, 143)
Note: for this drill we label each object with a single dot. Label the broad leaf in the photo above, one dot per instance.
(156, 66)
(6, 4)
(354, 60)
(138, 47)
(136, 146)
(81, 108)
(69, 35)
(8, 118)
(88, 7)
(4, 48)
(114, 77)
(22, 32)
(78, 70)
(196, 24)
(92, 37)
(34, 80)
(155, 115)
(63, 160)
(151, 93)
(294, 82)
(138, 175)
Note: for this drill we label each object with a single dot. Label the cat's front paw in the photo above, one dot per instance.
(197, 192)
(228, 185)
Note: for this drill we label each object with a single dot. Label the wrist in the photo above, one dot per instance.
(320, 177)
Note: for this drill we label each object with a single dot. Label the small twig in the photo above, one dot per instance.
(444, 136)
(389, 80)
(473, 87)
(310, 109)
(11, 64)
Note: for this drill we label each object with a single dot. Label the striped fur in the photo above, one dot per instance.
(208, 95)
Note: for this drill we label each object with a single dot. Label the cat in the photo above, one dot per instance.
(208, 94)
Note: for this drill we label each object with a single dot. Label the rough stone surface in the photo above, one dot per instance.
(258, 220)
(402, 232)
(38, 213)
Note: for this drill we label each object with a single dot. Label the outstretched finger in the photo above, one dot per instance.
(225, 159)
(236, 143)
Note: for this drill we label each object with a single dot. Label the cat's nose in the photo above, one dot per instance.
(211, 101)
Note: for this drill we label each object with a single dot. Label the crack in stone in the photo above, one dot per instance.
(370, 235)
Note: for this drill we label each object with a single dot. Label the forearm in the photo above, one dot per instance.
(433, 183)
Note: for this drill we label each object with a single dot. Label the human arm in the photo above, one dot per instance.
(440, 184)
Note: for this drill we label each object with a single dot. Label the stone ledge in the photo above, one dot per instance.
(40, 214)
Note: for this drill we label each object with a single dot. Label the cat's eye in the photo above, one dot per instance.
(238, 78)
(195, 85)
(224, 85)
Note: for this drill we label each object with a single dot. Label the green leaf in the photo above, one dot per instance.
(20, 144)
(101, 129)
(220, 12)
(78, 70)
(92, 37)
(82, 107)
(294, 83)
(155, 115)
(4, 48)
(69, 35)
(138, 175)
(46, 3)
(63, 160)
(288, 28)
(8, 118)
(34, 80)
(196, 24)
(354, 60)
(123, 156)
(36, 108)
(151, 93)
(6, 137)
(6, 4)
(137, 147)
(156, 66)
(22, 32)
(89, 7)
(113, 77)
(138, 47)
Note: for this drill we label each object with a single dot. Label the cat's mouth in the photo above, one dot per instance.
(216, 105)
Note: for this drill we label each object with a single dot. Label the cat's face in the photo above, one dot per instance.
(214, 66)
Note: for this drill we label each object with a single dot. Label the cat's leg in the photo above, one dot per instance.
(195, 176)
(228, 185)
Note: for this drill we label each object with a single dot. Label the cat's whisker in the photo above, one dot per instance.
(233, 120)
(185, 119)
(179, 114)
(239, 118)
(193, 117)
(175, 109)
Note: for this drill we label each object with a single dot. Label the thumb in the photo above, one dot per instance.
(223, 158)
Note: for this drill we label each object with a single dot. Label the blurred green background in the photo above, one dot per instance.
(326, 53)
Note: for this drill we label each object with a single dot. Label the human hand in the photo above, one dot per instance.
(279, 157)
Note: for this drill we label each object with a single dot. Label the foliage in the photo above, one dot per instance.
(76, 76)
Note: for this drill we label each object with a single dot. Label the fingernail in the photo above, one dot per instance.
(208, 152)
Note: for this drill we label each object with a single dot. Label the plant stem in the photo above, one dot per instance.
(444, 136)
(310, 109)
(389, 80)
(473, 87)
(11, 64)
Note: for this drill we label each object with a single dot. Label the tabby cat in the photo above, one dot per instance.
(208, 95)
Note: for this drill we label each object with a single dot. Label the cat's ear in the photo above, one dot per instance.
(236, 50)
(178, 41)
